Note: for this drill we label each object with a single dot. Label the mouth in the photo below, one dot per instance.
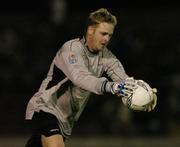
(103, 44)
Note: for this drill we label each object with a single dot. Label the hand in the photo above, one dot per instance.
(153, 103)
(126, 89)
(119, 89)
(152, 92)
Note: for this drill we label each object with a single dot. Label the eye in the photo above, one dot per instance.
(110, 35)
(104, 33)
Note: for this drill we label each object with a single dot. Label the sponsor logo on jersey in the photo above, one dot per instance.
(72, 58)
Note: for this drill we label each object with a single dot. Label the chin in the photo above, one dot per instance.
(96, 51)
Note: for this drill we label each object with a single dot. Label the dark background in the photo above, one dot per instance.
(146, 40)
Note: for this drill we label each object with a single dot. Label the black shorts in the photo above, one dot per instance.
(43, 123)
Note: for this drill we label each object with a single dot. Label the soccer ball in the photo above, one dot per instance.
(141, 96)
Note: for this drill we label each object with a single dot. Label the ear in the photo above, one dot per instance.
(90, 30)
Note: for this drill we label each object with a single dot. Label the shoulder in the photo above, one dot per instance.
(73, 45)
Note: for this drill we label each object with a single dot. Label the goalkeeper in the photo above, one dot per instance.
(53, 111)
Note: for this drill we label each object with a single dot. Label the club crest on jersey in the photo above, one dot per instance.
(72, 58)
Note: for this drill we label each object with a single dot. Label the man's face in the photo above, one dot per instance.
(100, 36)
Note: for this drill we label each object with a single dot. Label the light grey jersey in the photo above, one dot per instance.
(84, 71)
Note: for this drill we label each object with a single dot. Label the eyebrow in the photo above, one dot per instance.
(106, 33)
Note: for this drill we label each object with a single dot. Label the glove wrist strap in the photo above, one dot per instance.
(107, 87)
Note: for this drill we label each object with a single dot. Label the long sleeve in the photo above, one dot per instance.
(113, 66)
(70, 60)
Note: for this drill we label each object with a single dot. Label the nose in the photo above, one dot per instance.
(106, 38)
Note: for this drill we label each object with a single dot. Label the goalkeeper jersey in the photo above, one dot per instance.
(83, 70)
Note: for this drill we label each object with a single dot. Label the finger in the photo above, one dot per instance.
(154, 90)
(138, 108)
(129, 83)
(154, 101)
(125, 94)
(128, 90)
(149, 108)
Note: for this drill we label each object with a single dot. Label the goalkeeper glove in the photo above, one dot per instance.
(152, 92)
(124, 90)
(153, 103)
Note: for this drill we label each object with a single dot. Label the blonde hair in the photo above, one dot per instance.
(99, 16)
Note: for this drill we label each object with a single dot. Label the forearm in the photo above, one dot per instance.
(116, 71)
